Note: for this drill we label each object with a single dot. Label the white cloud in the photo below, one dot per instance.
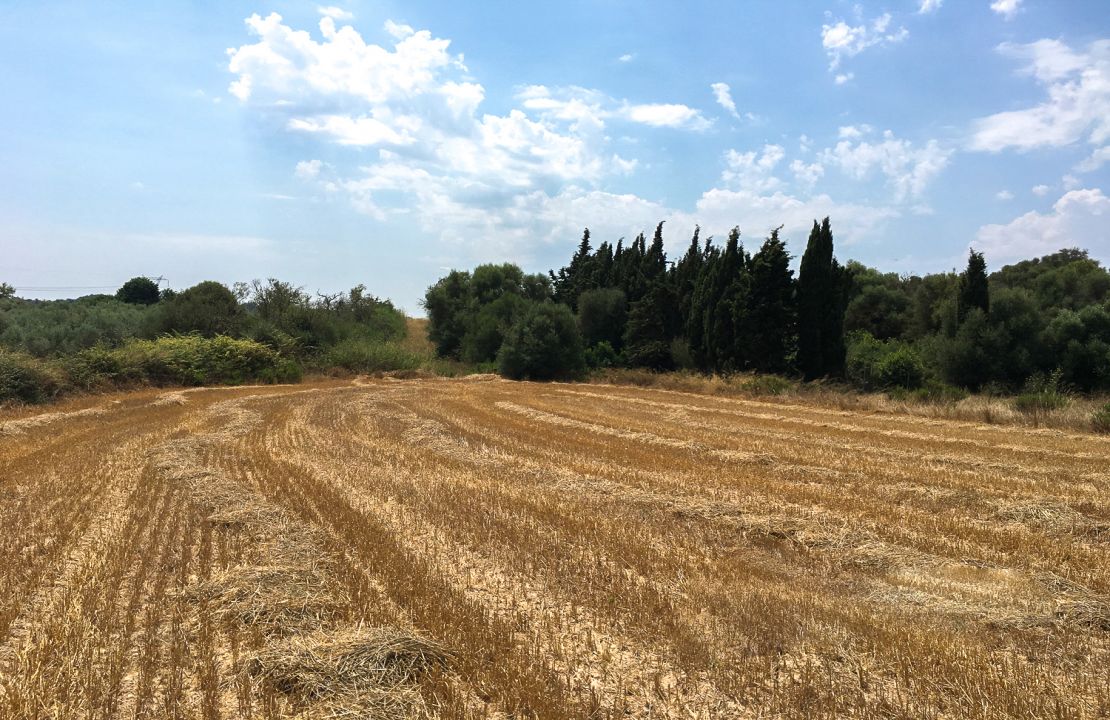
(335, 13)
(1077, 106)
(1070, 182)
(1004, 195)
(1006, 8)
(398, 31)
(495, 185)
(627, 58)
(1077, 219)
(928, 6)
(807, 175)
(723, 94)
(1040, 190)
(842, 40)
(908, 169)
(843, 78)
(308, 169)
(851, 132)
(752, 171)
(719, 209)
(1096, 160)
(666, 115)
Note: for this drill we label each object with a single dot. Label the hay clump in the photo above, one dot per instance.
(353, 673)
(278, 599)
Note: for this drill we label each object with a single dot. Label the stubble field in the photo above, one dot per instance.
(479, 548)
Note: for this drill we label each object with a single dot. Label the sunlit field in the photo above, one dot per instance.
(479, 548)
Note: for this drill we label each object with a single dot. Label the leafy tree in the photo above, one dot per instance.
(208, 308)
(486, 330)
(543, 344)
(6, 291)
(448, 304)
(138, 291)
(974, 290)
(1079, 342)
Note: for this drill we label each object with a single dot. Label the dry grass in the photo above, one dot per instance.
(473, 548)
(1077, 415)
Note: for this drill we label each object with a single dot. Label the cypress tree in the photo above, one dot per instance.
(974, 291)
(820, 306)
(728, 297)
(771, 312)
(685, 276)
(700, 301)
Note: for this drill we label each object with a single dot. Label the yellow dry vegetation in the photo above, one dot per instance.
(478, 548)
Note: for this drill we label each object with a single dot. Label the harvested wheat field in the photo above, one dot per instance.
(479, 548)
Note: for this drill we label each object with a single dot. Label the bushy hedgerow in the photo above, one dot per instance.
(371, 356)
(183, 360)
(27, 379)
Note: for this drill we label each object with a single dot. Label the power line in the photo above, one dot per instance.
(48, 288)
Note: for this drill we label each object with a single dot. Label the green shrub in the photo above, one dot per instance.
(25, 379)
(367, 356)
(876, 364)
(768, 385)
(543, 344)
(1043, 393)
(1100, 420)
(1040, 402)
(901, 367)
(602, 356)
(190, 360)
(938, 392)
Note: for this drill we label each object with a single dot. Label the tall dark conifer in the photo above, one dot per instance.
(771, 312)
(974, 291)
(820, 307)
(728, 297)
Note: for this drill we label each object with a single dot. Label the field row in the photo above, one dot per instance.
(466, 549)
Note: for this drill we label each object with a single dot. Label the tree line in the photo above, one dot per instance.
(720, 308)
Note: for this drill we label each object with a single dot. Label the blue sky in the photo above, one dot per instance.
(384, 142)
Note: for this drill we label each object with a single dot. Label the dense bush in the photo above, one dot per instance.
(543, 345)
(876, 364)
(207, 308)
(63, 327)
(184, 360)
(364, 356)
(285, 317)
(27, 379)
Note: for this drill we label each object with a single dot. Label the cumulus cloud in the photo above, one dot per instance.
(1006, 8)
(1076, 218)
(842, 40)
(907, 168)
(493, 185)
(1004, 195)
(1096, 160)
(723, 94)
(753, 171)
(928, 6)
(335, 13)
(1077, 106)
(1040, 190)
(627, 58)
(666, 115)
